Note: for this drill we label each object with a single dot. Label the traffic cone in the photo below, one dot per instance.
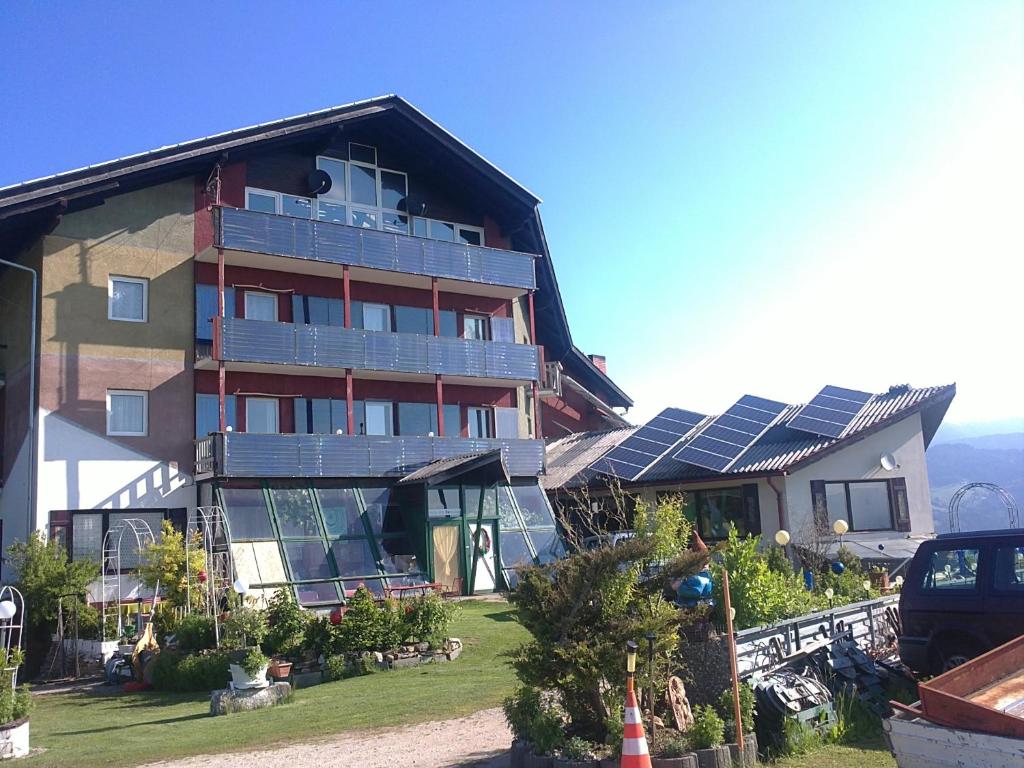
(634, 743)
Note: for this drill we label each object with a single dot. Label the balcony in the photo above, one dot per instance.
(329, 346)
(327, 243)
(250, 455)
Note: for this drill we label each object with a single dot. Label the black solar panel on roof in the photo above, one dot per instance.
(830, 412)
(721, 442)
(641, 449)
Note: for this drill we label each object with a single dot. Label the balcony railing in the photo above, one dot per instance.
(329, 346)
(248, 455)
(243, 230)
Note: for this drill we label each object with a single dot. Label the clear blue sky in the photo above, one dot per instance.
(739, 197)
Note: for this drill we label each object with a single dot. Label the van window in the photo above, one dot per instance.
(951, 570)
(1010, 569)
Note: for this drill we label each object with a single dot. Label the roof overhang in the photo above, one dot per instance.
(486, 468)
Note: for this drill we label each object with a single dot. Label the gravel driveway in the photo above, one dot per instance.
(481, 740)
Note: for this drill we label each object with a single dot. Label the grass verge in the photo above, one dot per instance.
(873, 754)
(89, 730)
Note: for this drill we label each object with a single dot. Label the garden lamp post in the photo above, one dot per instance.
(840, 527)
(830, 593)
(650, 684)
(782, 537)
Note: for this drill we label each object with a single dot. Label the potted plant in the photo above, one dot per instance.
(15, 704)
(576, 753)
(707, 734)
(287, 630)
(672, 750)
(244, 630)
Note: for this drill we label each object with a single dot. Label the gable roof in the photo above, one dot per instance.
(26, 205)
(780, 450)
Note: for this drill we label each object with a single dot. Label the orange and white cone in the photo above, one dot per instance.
(634, 743)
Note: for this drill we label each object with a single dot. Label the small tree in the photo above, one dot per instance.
(164, 564)
(44, 575)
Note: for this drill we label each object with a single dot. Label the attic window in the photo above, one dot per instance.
(361, 153)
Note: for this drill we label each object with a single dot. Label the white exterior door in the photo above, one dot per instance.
(483, 538)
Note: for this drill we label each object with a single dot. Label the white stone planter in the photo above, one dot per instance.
(240, 679)
(14, 739)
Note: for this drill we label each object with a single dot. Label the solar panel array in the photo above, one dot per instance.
(723, 441)
(830, 412)
(645, 446)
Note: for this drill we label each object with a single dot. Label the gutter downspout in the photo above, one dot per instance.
(33, 447)
(780, 499)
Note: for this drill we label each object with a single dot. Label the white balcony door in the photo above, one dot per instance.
(261, 415)
(378, 418)
(260, 306)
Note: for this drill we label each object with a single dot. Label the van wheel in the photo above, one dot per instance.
(953, 653)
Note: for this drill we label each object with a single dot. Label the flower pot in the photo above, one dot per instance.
(240, 679)
(746, 758)
(14, 739)
(533, 760)
(280, 669)
(714, 757)
(686, 761)
(561, 762)
(519, 750)
(879, 581)
(750, 747)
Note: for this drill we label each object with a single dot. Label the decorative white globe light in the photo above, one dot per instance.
(782, 537)
(830, 593)
(899, 581)
(241, 586)
(840, 527)
(866, 585)
(7, 610)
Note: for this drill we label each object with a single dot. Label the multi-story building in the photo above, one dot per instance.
(340, 328)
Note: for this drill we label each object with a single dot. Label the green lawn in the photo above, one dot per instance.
(874, 755)
(106, 729)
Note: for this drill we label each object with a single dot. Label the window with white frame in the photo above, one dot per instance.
(362, 194)
(127, 413)
(475, 327)
(260, 306)
(127, 298)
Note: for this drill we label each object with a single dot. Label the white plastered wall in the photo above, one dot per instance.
(861, 461)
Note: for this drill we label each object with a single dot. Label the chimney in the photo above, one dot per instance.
(600, 362)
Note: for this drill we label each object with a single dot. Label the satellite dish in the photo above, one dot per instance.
(319, 182)
(888, 462)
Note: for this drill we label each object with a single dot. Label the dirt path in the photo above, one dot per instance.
(480, 740)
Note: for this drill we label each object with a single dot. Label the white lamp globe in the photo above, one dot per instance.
(840, 527)
(7, 610)
(732, 613)
(830, 593)
(899, 581)
(782, 537)
(866, 585)
(241, 586)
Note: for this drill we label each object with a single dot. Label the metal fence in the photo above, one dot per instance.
(258, 232)
(871, 622)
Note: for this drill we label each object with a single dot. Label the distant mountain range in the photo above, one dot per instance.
(991, 452)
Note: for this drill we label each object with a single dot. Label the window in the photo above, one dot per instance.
(317, 310)
(88, 527)
(208, 414)
(951, 570)
(260, 306)
(207, 309)
(127, 298)
(714, 510)
(258, 200)
(448, 231)
(320, 416)
(1009, 569)
(127, 413)
(449, 323)
(378, 418)
(452, 420)
(479, 422)
(300, 207)
(246, 509)
(336, 170)
(865, 505)
(417, 418)
(261, 415)
(474, 327)
(377, 317)
(414, 320)
(443, 502)
(362, 153)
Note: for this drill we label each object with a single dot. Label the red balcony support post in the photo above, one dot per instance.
(222, 418)
(347, 293)
(533, 322)
(440, 398)
(350, 408)
(437, 309)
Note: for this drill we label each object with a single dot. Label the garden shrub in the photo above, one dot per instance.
(360, 627)
(577, 749)
(255, 660)
(195, 633)
(288, 625)
(727, 710)
(204, 671)
(708, 729)
(165, 622)
(341, 666)
(336, 667)
(246, 627)
(430, 619)
(672, 743)
(319, 636)
(520, 710)
(392, 630)
(797, 739)
(582, 609)
(759, 594)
